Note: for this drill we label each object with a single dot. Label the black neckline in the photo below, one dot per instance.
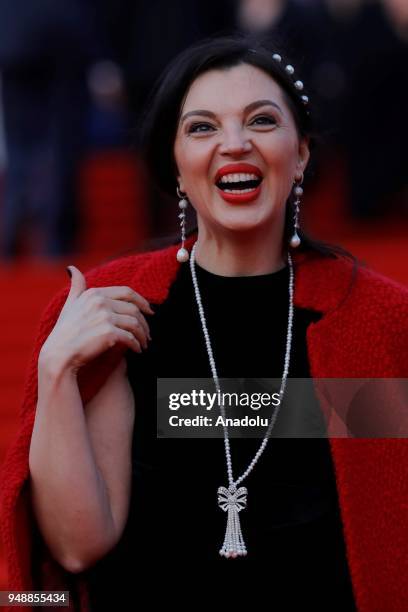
(204, 274)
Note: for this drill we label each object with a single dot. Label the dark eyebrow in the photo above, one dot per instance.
(258, 103)
(250, 107)
(204, 113)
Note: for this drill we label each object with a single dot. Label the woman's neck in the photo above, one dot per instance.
(239, 253)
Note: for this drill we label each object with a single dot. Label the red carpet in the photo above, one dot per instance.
(110, 185)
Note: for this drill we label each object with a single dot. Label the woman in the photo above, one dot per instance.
(245, 295)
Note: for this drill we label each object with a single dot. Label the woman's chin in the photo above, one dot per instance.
(244, 224)
(243, 218)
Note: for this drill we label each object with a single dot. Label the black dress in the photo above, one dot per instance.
(291, 526)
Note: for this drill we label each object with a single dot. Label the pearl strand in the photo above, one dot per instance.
(215, 375)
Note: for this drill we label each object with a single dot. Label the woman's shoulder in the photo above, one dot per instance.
(358, 275)
(351, 289)
(124, 269)
(365, 315)
(119, 270)
(369, 287)
(139, 270)
(379, 306)
(380, 288)
(127, 267)
(370, 296)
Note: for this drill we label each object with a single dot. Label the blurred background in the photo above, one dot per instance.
(74, 76)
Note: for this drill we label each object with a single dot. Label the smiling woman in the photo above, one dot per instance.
(267, 116)
(238, 166)
(229, 129)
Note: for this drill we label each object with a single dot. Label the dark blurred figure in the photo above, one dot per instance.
(353, 56)
(374, 123)
(45, 49)
(146, 35)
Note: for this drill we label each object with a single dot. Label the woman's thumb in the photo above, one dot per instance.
(78, 282)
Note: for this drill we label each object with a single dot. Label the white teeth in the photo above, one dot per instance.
(238, 190)
(235, 178)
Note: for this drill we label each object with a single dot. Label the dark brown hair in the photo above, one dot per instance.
(160, 120)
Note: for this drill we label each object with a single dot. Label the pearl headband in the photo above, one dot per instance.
(290, 70)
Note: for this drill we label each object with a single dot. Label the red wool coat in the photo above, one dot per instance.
(362, 334)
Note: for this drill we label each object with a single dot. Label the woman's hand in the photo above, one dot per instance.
(94, 320)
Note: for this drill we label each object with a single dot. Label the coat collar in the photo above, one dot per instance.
(321, 283)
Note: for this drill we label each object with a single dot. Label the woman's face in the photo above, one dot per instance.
(237, 149)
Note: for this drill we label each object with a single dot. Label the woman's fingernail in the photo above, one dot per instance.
(69, 272)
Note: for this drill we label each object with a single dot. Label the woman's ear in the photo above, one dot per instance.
(180, 183)
(303, 154)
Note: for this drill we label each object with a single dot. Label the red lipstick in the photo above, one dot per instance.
(239, 168)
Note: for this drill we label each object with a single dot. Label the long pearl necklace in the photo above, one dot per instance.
(233, 499)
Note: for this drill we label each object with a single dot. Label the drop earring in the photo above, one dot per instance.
(182, 253)
(298, 191)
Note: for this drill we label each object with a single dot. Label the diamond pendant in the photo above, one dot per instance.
(232, 501)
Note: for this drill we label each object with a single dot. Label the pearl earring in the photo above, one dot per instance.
(298, 191)
(182, 253)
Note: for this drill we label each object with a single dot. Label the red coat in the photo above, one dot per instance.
(362, 333)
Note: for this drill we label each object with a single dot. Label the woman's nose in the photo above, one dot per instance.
(235, 143)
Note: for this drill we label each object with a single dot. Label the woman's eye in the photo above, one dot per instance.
(263, 120)
(199, 127)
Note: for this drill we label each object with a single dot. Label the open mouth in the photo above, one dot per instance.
(239, 183)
